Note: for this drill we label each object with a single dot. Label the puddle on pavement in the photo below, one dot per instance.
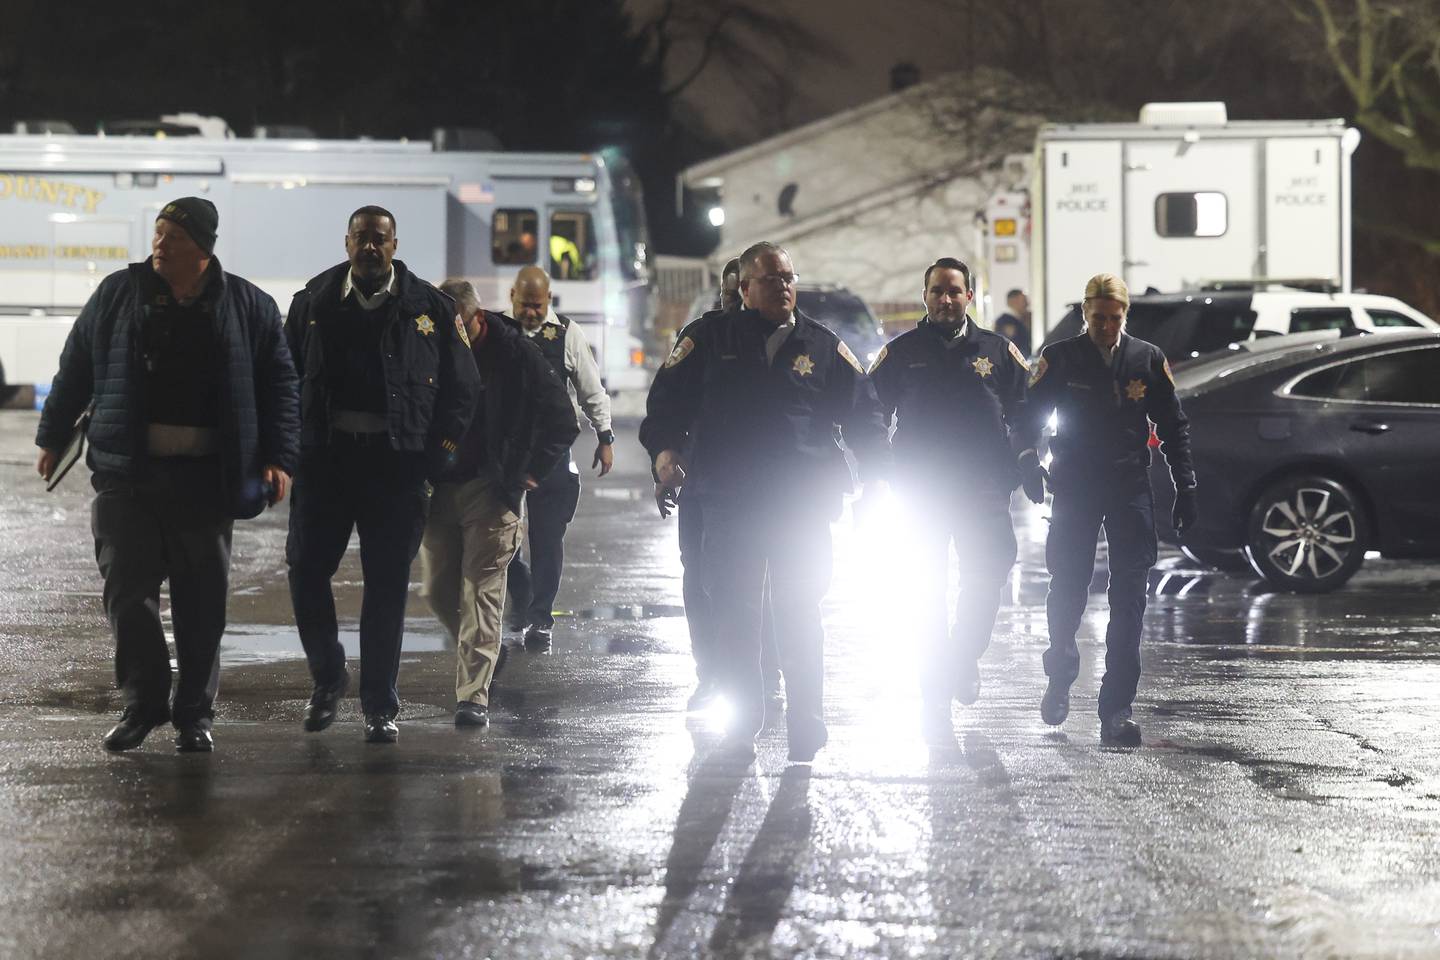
(248, 643)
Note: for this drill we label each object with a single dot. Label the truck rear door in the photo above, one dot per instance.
(1191, 212)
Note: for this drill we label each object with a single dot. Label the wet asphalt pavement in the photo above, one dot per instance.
(1285, 804)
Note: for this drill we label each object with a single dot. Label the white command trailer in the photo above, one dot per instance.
(1187, 196)
(76, 208)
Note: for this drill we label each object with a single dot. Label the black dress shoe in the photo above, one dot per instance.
(537, 639)
(131, 731)
(936, 726)
(194, 738)
(1119, 731)
(324, 702)
(380, 729)
(1055, 705)
(705, 693)
(967, 687)
(469, 714)
(804, 746)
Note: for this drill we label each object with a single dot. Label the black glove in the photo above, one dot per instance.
(1033, 478)
(665, 500)
(1186, 511)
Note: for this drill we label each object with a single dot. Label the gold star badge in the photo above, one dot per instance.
(803, 365)
(1135, 390)
(549, 333)
(983, 366)
(424, 324)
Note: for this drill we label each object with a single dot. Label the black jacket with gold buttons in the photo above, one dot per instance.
(431, 383)
(765, 430)
(956, 402)
(1104, 411)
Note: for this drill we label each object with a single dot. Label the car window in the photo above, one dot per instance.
(1221, 325)
(1171, 326)
(844, 313)
(1390, 318)
(1304, 319)
(1405, 376)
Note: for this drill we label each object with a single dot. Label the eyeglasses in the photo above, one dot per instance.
(779, 279)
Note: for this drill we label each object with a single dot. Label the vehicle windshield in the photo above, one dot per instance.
(628, 204)
(842, 312)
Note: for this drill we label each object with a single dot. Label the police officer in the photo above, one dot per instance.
(692, 531)
(957, 393)
(532, 586)
(195, 421)
(1106, 388)
(1014, 323)
(756, 398)
(388, 387)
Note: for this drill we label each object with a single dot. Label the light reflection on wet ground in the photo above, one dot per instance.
(1285, 804)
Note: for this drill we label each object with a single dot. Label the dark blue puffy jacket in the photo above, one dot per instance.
(259, 399)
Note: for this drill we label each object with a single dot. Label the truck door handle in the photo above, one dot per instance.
(1370, 426)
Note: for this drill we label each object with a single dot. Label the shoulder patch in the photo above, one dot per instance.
(880, 358)
(844, 351)
(460, 329)
(1165, 365)
(1019, 357)
(1038, 371)
(681, 351)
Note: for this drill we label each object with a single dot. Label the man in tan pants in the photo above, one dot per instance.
(523, 426)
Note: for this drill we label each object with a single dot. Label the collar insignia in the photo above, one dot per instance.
(424, 324)
(803, 365)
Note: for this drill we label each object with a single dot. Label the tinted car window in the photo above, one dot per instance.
(1303, 319)
(1389, 318)
(844, 313)
(1406, 376)
(1170, 326)
(1185, 329)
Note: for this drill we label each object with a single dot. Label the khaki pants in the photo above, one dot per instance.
(469, 541)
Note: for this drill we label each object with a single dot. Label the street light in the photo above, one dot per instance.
(717, 216)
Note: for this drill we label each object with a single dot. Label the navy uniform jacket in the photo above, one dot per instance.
(1104, 413)
(761, 431)
(430, 375)
(956, 405)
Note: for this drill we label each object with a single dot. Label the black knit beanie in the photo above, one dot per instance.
(197, 216)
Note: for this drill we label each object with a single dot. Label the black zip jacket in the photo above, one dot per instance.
(526, 422)
(763, 431)
(430, 376)
(259, 418)
(956, 403)
(1104, 413)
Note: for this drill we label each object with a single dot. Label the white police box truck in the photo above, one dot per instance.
(1186, 196)
(74, 208)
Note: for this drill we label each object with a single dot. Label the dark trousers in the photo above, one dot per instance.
(984, 540)
(744, 545)
(1127, 512)
(697, 603)
(168, 524)
(532, 586)
(383, 494)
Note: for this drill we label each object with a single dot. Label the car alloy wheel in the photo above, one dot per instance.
(1307, 534)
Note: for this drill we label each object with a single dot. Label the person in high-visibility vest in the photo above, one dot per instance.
(565, 260)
